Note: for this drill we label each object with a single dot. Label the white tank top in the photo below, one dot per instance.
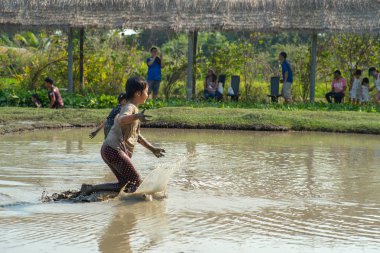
(377, 82)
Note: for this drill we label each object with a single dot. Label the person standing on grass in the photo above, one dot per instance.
(364, 97)
(356, 87)
(155, 64)
(54, 94)
(108, 123)
(376, 75)
(287, 77)
(119, 145)
(338, 88)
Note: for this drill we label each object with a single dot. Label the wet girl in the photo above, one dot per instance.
(118, 147)
(108, 123)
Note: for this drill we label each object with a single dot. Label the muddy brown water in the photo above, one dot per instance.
(237, 192)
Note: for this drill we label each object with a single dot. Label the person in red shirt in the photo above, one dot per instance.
(54, 94)
(338, 88)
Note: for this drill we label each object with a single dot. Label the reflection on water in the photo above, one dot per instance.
(238, 191)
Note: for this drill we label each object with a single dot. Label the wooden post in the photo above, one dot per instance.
(70, 86)
(81, 58)
(190, 61)
(313, 66)
(195, 42)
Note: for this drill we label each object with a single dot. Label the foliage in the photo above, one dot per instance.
(110, 59)
(346, 52)
(21, 97)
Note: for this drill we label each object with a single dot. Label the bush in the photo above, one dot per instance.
(23, 98)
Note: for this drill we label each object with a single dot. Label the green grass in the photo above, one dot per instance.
(318, 106)
(18, 119)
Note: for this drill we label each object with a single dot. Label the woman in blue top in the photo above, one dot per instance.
(155, 64)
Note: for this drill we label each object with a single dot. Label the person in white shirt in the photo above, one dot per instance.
(364, 97)
(376, 75)
(356, 87)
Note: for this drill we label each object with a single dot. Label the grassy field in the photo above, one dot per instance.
(13, 119)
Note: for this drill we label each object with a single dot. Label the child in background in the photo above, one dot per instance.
(376, 75)
(108, 123)
(118, 147)
(356, 87)
(36, 101)
(364, 91)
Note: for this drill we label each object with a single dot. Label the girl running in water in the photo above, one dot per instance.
(118, 147)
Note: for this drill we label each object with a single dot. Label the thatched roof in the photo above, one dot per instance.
(238, 15)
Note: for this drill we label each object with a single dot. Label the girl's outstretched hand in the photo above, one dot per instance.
(158, 152)
(142, 117)
(93, 134)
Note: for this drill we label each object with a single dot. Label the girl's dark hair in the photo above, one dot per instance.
(134, 84)
(372, 69)
(358, 72)
(283, 54)
(36, 97)
(365, 80)
(153, 48)
(49, 80)
(120, 97)
(214, 76)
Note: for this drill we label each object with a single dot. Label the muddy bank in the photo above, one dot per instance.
(12, 129)
(32, 127)
(215, 126)
(259, 127)
(13, 120)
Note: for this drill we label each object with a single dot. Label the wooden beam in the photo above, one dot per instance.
(190, 61)
(313, 66)
(70, 63)
(81, 58)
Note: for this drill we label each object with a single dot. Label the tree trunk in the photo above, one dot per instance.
(313, 66)
(70, 86)
(190, 61)
(195, 42)
(81, 58)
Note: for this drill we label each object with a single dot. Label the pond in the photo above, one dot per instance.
(232, 191)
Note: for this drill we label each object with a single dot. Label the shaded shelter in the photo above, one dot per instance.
(311, 16)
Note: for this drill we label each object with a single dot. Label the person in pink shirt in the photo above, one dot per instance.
(338, 88)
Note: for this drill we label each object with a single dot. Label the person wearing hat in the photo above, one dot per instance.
(338, 88)
(54, 94)
(376, 75)
(108, 123)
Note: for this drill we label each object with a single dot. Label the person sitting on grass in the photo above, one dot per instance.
(376, 75)
(364, 97)
(338, 88)
(118, 147)
(211, 84)
(108, 123)
(54, 94)
(356, 87)
(36, 101)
